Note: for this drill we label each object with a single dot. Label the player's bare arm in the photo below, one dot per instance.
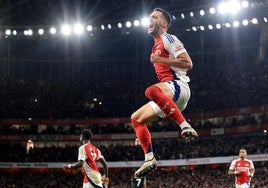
(183, 61)
(233, 172)
(78, 164)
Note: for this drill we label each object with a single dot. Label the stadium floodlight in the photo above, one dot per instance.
(212, 10)
(218, 26)
(202, 28)
(119, 25)
(136, 23)
(25, 32)
(89, 28)
(202, 12)
(145, 21)
(41, 31)
(8, 32)
(14, 32)
(128, 24)
(227, 25)
(222, 8)
(78, 28)
(232, 6)
(245, 22)
(53, 30)
(66, 30)
(109, 26)
(254, 21)
(236, 23)
(102, 27)
(265, 19)
(194, 28)
(182, 16)
(191, 14)
(210, 27)
(244, 4)
(30, 32)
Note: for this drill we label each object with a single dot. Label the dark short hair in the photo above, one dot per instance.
(86, 134)
(166, 15)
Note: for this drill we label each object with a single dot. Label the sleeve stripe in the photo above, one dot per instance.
(169, 37)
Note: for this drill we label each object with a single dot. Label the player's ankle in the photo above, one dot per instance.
(149, 156)
(184, 125)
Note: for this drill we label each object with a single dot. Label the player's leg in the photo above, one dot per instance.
(139, 119)
(164, 95)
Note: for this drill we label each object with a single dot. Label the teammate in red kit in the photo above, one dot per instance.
(88, 156)
(168, 97)
(243, 169)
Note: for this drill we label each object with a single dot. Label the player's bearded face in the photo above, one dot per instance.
(153, 28)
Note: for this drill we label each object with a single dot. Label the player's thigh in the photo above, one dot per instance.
(144, 114)
(165, 89)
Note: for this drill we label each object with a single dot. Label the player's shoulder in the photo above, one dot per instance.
(169, 37)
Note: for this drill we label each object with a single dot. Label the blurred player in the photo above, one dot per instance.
(168, 97)
(243, 169)
(138, 182)
(88, 156)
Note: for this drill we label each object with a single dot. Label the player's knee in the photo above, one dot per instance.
(151, 92)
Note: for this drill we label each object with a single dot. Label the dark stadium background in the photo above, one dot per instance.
(52, 86)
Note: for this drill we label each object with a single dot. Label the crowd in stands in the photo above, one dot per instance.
(230, 87)
(214, 146)
(180, 177)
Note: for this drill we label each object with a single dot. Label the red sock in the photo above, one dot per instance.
(166, 104)
(143, 135)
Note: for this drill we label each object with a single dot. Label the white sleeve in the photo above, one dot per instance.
(251, 165)
(173, 45)
(232, 166)
(100, 156)
(81, 154)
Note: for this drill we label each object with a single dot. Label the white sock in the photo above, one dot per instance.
(184, 124)
(149, 156)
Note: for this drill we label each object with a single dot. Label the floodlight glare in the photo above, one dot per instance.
(14, 32)
(212, 10)
(78, 28)
(202, 28)
(222, 8)
(182, 16)
(66, 30)
(210, 27)
(254, 21)
(102, 27)
(128, 24)
(245, 22)
(25, 32)
(8, 32)
(30, 32)
(192, 14)
(218, 26)
(119, 25)
(145, 21)
(194, 28)
(41, 31)
(265, 19)
(236, 23)
(244, 4)
(52, 30)
(89, 27)
(227, 25)
(202, 12)
(109, 26)
(136, 23)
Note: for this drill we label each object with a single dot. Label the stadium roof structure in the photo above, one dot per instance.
(187, 13)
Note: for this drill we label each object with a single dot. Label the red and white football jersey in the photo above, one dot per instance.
(244, 166)
(169, 46)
